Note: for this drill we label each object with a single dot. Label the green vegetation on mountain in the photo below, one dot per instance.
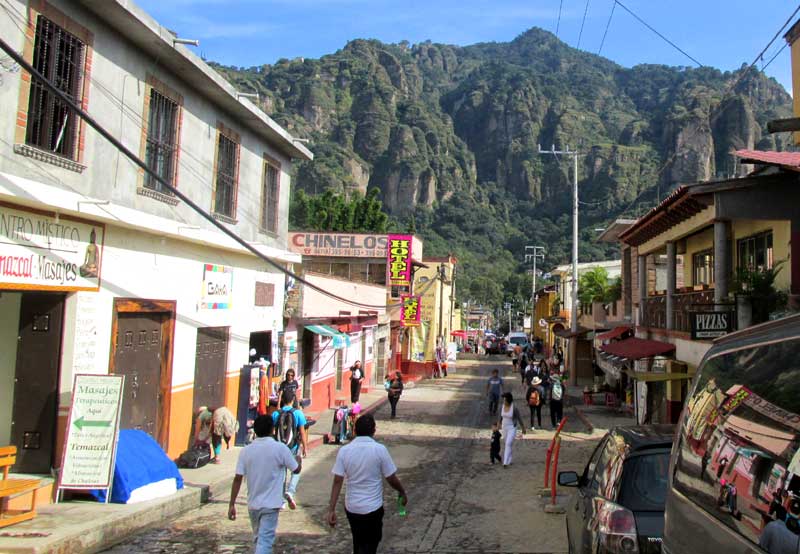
(450, 135)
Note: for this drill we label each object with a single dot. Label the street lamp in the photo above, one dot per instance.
(532, 253)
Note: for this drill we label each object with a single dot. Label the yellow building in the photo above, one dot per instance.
(436, 286)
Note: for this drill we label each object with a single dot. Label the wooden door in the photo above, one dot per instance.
(211, 364)
(35, 409)
(307, 356)
(139, 344)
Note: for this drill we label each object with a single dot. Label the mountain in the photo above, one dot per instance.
(450, 135)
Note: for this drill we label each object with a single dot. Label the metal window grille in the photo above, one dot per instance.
(225, 194)
(269, 199)
(58, 56)
(162, 137)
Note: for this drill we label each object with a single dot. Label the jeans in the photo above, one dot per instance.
(355, 391)
(494, 399)
(494, 454)
(556, 411)
(264, 522)
(538, 411)
(291, 483)
(393, 403)
(367, 530)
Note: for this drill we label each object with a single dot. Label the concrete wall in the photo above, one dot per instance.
(116, 98)
(9, 329)
(781, 231)
(316, 304)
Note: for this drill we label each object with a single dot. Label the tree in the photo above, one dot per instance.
(593, 286)
(331, 211)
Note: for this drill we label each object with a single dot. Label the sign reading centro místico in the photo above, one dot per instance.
(338, 244)
(92, 432)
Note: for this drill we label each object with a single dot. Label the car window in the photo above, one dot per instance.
(609, 467)
(643, 486)
(600, 475)
(588, 472)
(739, 441)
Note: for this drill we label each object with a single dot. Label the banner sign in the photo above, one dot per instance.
(91, 442)
(710, 325)
(40, 251)
(338, 244)
(217, 287)
(410, 314)
(399, 260)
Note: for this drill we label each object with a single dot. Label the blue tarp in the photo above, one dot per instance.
(140, 461)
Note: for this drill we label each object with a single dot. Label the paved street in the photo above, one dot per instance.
(458, 502)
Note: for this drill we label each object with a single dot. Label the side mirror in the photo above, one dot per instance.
(568, 479)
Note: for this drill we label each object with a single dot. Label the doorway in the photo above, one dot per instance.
(35, 406)
(141, 350)
(308, 349)
(339, 367)
(261, 342)
(380, 362)
(210, 367)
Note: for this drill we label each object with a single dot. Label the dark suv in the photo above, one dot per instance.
(619, 506)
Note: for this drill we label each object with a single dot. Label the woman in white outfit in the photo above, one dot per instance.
(509, 417)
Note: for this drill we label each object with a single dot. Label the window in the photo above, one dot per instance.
(59, 56)
(703, 267)
(227, 176)
(643, 487)
(377, 274)
(742, 424)
(162, 140)
(269, 198)
(755, 253)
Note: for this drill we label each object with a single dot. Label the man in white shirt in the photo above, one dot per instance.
(264, 462)
(364, 464)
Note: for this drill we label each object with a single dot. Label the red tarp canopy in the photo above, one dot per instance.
(614, 333)
(636, 349)
(461, 334)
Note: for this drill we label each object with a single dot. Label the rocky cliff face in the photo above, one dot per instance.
(425, 122)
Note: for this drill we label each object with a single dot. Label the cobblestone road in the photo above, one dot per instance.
(458, 502)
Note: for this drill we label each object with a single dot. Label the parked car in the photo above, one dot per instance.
(619, 505)
(735, 468)
(517, 338)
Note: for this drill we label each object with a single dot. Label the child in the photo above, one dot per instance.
(494, 450)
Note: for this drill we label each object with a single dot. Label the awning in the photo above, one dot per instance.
(568, 334)
(340, 340)
(615, 333)
(459, 333)
(636, 349)
(651, 376)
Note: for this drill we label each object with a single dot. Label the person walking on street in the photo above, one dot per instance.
(535, 398)
(264, 463)
(395, 389)
(363, 465)
(290, 429)
(556, 399)
(356, 378)
(289, 385)
(523, 366)
(509, 418)
(494, 388)
(494, 448)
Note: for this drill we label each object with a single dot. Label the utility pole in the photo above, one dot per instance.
(536, 252)
(573, 315)
(442, 277)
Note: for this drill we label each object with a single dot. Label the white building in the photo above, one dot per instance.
(100, 269)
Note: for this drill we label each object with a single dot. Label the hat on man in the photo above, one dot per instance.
(536, 382)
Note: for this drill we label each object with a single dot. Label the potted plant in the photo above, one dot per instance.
(756, 295)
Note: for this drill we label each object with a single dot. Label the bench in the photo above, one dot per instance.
(13, 487)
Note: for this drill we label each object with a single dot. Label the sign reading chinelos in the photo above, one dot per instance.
(42, 251)
(399, 260)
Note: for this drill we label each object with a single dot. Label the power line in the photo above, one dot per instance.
(585, 11)
(643, 22)
(178, 193)
(772, 59)
(602, 42)
(558, 23)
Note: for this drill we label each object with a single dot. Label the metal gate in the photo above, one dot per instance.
(34, 412)
(339, 367)
(138, 357)
(210, 366)
(380, 363)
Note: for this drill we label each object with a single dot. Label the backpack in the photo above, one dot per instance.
(534, 399)
(558, 390)
(194, 457)
(286, 428)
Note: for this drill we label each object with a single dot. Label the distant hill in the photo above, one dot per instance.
(450, 134)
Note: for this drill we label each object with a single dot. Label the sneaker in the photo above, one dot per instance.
(290, 501)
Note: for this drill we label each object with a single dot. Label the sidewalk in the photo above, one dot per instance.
(87, 526)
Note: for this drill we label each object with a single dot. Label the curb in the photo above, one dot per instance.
(319, 439)
(583, 418)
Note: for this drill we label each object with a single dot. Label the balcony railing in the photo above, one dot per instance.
(654, 314)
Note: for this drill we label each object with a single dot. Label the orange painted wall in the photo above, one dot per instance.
(180, 422)
(232, 394)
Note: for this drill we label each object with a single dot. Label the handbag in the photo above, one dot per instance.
(387, 385)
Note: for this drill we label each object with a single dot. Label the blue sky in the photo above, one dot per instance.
(719, 33)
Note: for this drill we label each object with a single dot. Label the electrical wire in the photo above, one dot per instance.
(772, 59)
(608, 24)
(643, 22)
(558, 23)
(178, 193)
(585, 11)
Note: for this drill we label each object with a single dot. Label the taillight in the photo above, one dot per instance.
(616, 529)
